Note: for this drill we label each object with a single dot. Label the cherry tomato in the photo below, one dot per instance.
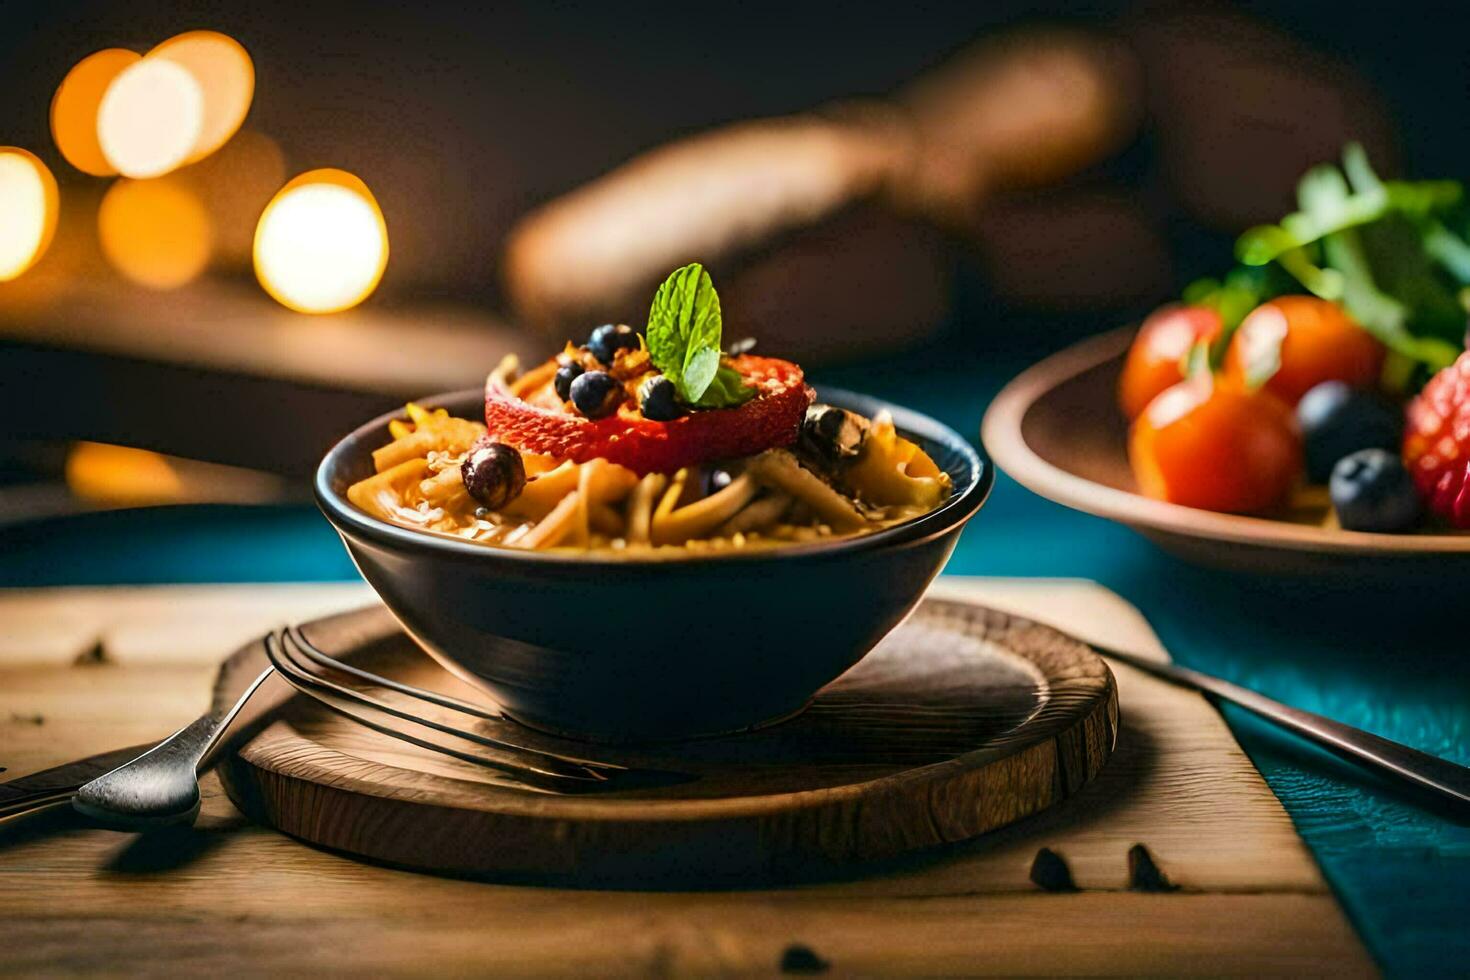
(1211, 443)
(1154, 360)
(1317, 340)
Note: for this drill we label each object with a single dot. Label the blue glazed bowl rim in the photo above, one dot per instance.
(973, 479)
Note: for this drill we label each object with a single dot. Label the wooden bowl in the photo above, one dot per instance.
(1057, 430)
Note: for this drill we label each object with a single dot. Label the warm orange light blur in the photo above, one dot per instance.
(151, 118)
(121, 476)
(74, 109)
(235, 185)
(322, 244)
(29, 204)
(155, 232)
(226, 78)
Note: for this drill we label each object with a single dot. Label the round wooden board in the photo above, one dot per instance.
(963, 720)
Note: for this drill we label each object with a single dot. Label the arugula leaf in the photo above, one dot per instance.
(1360, 172)
(1327, 205)
(1448, 249)
(684, 327)
(1403, 269)
(1379, 313)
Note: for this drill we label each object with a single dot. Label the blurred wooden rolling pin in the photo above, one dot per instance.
(825, 229)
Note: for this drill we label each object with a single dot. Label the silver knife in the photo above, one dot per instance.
(1445, 780)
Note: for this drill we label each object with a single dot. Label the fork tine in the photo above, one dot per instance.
(331, 696)
(287, 642)
(306, 648)
(313, 653)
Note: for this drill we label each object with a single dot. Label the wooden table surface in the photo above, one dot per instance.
(228, 896)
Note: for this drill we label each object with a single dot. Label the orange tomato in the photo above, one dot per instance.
(1211, 443)
(1318, 342)
(1153, 362)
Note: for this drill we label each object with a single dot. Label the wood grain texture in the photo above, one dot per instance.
(962, 721)
(230, 896)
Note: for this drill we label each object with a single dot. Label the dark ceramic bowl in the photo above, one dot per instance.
(644, 648)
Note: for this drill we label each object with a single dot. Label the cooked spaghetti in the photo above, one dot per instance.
(635, 442)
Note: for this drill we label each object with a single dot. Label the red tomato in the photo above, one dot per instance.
(1317, 341)
(772, 418)
(1211, 443)
(1159, 349)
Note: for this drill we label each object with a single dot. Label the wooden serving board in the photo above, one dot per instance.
(232, 897)
(962, 721)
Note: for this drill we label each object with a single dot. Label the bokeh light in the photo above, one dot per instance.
(235, 185)
(322, 244)
(74, 108)
(155, 232)
(150, 118)
(29, 205)
(226, 78)
(121, 476)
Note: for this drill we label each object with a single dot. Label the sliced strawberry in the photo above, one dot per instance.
(772, 418)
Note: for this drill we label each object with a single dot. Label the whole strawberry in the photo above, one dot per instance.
(1437, 442)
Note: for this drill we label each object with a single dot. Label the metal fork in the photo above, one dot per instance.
(538, 767)
(158, 785)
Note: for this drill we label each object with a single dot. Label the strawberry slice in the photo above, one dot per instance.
(772, 418)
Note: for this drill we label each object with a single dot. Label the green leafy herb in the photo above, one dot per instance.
(1196, 363)
(1387, 250)
(684, 327)
(727, 390)
(1327, 205)
(1244, 288)
(1261, 351)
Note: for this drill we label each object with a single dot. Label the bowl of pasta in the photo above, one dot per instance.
(647, 555)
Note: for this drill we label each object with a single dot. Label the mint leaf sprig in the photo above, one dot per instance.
(684, 328)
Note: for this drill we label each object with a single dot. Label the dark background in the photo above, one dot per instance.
(463, 116)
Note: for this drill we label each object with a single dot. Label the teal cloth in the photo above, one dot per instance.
(1394, 664)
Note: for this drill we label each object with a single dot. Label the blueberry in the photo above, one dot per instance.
(494, 474)
(565, 375)
(596, 394)
(656, 398)
(610, 338)
(1337, 419)
(1372, 491)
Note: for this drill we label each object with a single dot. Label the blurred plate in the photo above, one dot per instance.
(1056, 429)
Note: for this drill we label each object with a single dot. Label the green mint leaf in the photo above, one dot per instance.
(727, 390)
(699, 370)
(684, 326)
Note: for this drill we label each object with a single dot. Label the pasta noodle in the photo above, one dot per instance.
(771, 498)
